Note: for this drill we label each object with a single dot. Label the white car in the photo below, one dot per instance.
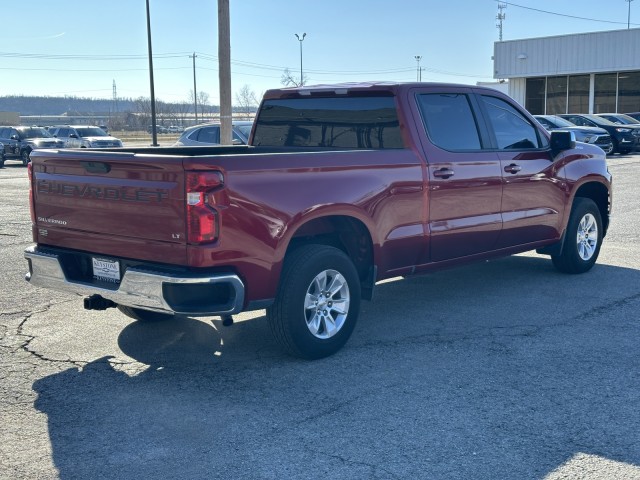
(84, 136)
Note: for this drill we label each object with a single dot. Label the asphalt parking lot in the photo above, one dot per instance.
(500, 370)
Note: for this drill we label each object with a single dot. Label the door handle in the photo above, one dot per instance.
(443, 173)
(513, 168)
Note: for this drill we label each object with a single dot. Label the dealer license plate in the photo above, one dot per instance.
(106, 270)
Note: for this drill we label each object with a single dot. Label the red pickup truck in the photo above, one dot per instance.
(340, 187)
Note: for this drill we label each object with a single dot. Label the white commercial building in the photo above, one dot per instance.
(583, 73)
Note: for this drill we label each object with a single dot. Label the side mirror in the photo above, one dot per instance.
(73, 135)
(562, 140)
(15, 137)
(236, 141)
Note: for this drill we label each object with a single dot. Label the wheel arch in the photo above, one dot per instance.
(599, 193)
(344, 231)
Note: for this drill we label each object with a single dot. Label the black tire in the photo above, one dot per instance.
(305, 269)
(24, 156)
(145, 315)
(583, 238)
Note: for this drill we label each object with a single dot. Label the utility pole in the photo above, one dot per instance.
(419, 71)
(195, 92)
(500, 17)
(629, 14)
(115, 105)
(224, 72)
(154, 133)
(115, 97)
(301, 39)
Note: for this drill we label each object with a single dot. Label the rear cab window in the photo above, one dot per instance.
(355, 122)
(449, 121)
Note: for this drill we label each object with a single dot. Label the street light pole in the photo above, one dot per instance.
(195, 91)
(419, 72)
(301, 39)
(629, 14)
(154, 133)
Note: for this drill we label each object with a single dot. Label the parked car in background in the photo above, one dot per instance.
(159, 129)
(635, 115)
(625, 138)
(594, 135)
(85, 136)
(19, 142)
(209, 134)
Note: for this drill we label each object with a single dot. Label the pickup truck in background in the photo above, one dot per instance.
(340, 187)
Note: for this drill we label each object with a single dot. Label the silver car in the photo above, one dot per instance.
(209, 134)
(84, 136)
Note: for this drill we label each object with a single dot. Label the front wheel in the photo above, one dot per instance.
(318, 302)
(583, 238)
(144, 315)
(24, 155)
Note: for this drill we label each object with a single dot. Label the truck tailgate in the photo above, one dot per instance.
(113, 203)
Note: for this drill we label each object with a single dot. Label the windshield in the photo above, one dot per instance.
(560, 122)
(626, 119)
(91, 132)
(34, 132)
(599, 120)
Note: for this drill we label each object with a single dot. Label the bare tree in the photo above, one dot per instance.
(182, 111)
(202, 102)
(247, 101)
(288, 79)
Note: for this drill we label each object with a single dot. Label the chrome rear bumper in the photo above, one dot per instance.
(141, 288)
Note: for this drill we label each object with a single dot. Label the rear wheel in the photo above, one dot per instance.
(145, 315)
(318, 302)
(583, 238)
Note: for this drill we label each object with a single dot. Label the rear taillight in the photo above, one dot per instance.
(32, 206)
(202, 218)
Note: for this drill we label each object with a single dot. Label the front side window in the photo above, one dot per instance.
(512, 129)
(350, 122)
(449, 121)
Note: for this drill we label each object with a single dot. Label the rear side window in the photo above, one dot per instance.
(449, 121)
(338, 122)
(207, 135)
(512, 129)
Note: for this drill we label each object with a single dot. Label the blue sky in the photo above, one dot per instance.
(79, 48)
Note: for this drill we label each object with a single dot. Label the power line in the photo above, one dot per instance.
(563, 14)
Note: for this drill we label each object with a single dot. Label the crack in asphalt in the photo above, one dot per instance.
(25, 346)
